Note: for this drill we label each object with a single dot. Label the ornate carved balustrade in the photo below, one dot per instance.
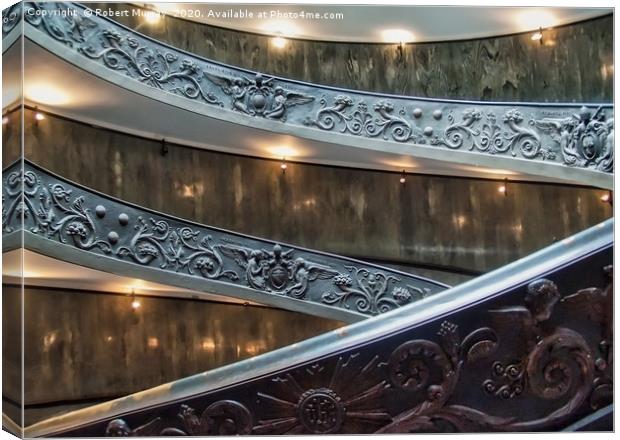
(525, 348)
(569, 141)
(72, 223)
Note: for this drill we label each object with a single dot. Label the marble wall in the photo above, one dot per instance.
(445, 221)
(575, 63)
(87, 345)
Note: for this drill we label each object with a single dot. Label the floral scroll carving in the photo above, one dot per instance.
(564, 135)
(417, 385)
(556, 361)
(164, 70)
(369, 292)
(11, 17)
(64, 213)
(382, 122)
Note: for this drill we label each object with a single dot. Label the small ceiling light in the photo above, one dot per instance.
(534, 18)
(283, 165)
(538, 36)
(135, 304)
(281, 28)
(400, 36)
(503, 189)
(607, 198)
(152, 17)
(38, 116)
(403, 179)
(279, 42)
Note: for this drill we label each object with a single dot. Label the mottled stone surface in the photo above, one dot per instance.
(11, 138)
(443, 221)
(575, 63)
(88, 345)
(12, 353)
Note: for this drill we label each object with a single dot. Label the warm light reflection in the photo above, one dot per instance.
(535, 18)
(279, 42)
(397, 36)
(283, 151)
(152, 17)
(208, 344)
(135, 304)
(49, 339)
(39, 116)
(153, 342)
(280, 27)
(190, 191)
(502, 189)
(5, 120)
(537, 36)
(44, 93)
(492, 171)
(460, 220)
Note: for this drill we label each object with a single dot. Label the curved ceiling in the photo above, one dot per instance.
(369, 23)
(39, 270)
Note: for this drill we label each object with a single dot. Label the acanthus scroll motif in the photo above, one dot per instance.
(175, 248)
(152, 66)
(383, 122)
(369, 292)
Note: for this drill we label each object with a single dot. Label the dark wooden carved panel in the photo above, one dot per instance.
(536, 357)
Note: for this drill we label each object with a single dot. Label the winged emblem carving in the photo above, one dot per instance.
(585, 139)
(259, 96)
(277, 270)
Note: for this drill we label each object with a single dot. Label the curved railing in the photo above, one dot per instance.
(75, 224)
(527, 347)
(566, 141)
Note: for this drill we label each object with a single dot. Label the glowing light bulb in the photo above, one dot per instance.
(135, 304)
(279, 42)
(283, 165)
(502, 189)
(5, 120)
(39, 116)
(605, 198)
(152, 17)
(400, 36)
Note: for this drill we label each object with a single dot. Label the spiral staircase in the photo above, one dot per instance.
(526, 347)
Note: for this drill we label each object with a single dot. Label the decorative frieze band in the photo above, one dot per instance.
(65, 213)
(574, 136)
(534, 358)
